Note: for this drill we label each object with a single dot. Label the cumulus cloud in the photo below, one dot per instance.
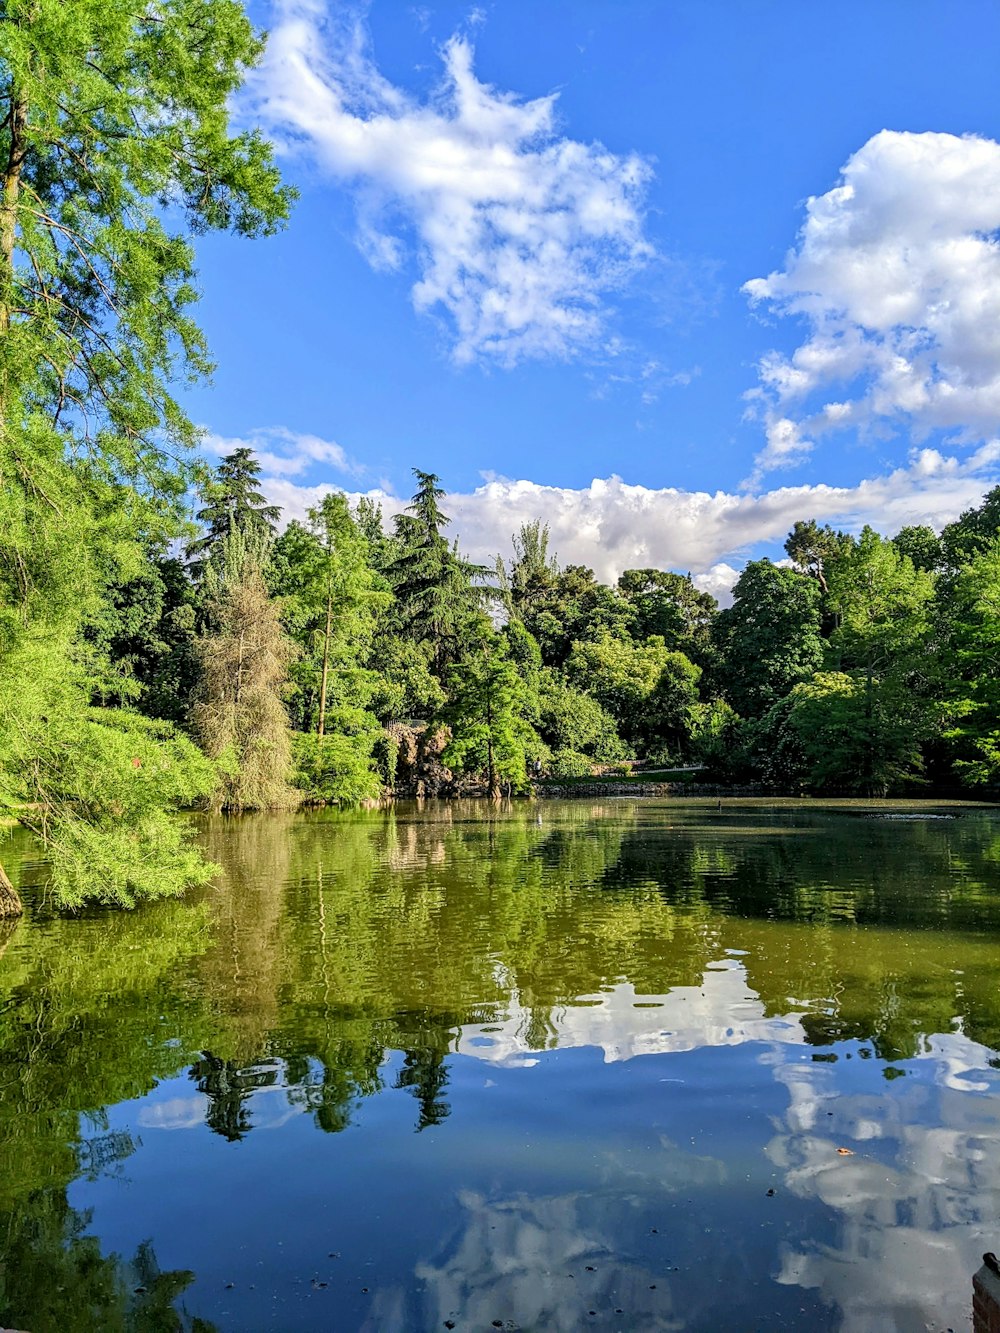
(520, 233)
(612, 526)
(896, 274)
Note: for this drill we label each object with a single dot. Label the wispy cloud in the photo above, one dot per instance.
(896, 275)
(612, 526)
(285, 453)
(520, 233)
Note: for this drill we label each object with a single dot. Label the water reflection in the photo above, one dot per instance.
(625, 1023)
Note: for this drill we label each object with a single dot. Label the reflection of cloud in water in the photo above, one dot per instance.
(722, 1011)
(512, 1259)
(174, 1113)
(917, 1204)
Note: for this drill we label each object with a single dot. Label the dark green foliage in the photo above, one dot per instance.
(439, 602)
(669, 606)
(922, 547)
(232, 501)
(769, 639)
(972, 533)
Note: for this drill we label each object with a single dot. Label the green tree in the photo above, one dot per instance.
(883, 643)
(114, 147)
(670, 606)
(527, 580)
(232, 500)
(331, 599)
(922, 546)
(438, 600)
(651, 692)
(970, 668)
(575, 607)
(489, 733)
(973, 532)
(815, 548)
(769, 639)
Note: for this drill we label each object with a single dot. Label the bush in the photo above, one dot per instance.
(335, 768)
(570, 764)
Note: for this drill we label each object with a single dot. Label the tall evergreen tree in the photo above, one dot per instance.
(435, 588)
(233, 502)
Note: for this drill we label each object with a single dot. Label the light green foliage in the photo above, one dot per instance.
(331, 598)
(651, 692)
(883, 605)
(769, 639)
(114, 147)
(489, 733)
(853, 739)
(574, 722)
(96, 784)
(405, 686)
(971, 678)
(340, 766)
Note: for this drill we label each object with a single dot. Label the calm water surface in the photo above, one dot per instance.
(617, 1065)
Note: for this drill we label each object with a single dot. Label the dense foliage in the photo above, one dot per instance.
(254, 667)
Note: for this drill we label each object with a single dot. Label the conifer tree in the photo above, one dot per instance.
(238, 715)
(439, 603)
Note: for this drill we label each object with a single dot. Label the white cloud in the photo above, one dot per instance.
(285, 453)
(612, 526)
(896, 274)
(520, 233)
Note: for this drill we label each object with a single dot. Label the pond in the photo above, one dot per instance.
(621, 1064)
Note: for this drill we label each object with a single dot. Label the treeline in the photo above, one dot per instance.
(300, 662)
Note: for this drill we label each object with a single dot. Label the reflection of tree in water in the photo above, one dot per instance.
(54, 1278)
(427, 1040)
(228, 1089)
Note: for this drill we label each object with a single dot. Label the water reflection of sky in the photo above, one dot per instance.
(620, 1163)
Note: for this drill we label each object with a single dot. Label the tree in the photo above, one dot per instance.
(529, 577)
(232, 500)
(649, 691)
(331, 598)
(114, 124)
(972, 681)
(486, 715)
(814, 549)
(769, 639)
(973, 532)
(922, 546)
(573, 608)
(437, 598)
(670, 606)
(882, 643)
(238, 715)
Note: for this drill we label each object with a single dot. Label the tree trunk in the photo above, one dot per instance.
(10, 903)
(326, 663)
(18, 122)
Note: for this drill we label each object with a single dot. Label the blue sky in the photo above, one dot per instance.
(521, 254)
